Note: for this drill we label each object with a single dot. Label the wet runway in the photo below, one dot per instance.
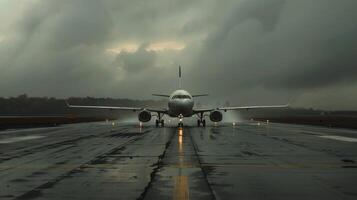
(124, 161)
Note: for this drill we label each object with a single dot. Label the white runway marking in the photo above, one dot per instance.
(339, 138)
(19, 139)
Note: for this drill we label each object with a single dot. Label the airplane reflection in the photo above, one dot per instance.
(180, 140)
(181, 188)
(181, 181)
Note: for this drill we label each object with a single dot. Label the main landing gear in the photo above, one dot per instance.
(159, 121)
(201, 121)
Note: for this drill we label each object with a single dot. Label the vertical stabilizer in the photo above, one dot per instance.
(180, 82)
(179, 71)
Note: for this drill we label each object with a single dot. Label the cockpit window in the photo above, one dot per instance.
(181, 97)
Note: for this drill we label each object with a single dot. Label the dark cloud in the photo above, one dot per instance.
(136, 61)
(303, 46)
(247, 51)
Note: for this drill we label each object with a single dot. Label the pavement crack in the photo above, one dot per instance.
(158, 165)
(36, 192)
(348, 160)
(33, 150)
(204, 171)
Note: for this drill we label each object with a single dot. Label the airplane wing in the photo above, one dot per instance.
(238, 108)
(161, 111)
(105, 107)
(252, 107)
(202, 110)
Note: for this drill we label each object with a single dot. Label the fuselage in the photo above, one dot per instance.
(180, 104)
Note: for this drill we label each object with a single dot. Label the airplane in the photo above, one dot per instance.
(180, 105)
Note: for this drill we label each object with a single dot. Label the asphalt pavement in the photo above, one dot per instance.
(248, 160)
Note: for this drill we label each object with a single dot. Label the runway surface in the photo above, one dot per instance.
(246, 161)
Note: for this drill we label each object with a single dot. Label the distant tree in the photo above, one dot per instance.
(24, 105)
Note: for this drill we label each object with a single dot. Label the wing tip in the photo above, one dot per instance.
(67, 104)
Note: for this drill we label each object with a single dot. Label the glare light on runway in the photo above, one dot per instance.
(180, 140)
(180, 131)
(181, 186)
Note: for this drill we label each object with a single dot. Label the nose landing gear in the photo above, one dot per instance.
(180, 124)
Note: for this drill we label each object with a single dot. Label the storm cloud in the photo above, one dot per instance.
(245, 52)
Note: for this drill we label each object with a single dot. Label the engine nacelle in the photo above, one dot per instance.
(215, 116)
(144, 116)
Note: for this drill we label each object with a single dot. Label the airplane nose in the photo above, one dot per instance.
(183, 103)
(181, 106)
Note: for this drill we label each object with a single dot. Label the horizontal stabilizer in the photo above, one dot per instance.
(161, 95)
(199, 95)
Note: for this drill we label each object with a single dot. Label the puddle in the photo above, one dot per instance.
(339, 138)
(20, 139)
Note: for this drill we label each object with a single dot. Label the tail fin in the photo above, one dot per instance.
(180, 81)
(179, 71)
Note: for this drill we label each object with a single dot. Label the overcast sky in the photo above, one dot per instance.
(242, 51)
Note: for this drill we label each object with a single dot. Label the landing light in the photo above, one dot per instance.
(233, 123)
(113, 123)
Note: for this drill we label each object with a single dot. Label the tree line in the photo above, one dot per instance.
(24, 105)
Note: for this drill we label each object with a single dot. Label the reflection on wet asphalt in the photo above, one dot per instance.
(181, 181)
(180, 175)
(246, 161)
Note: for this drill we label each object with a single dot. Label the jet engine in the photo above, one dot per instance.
(215, 116)
(144, 116)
